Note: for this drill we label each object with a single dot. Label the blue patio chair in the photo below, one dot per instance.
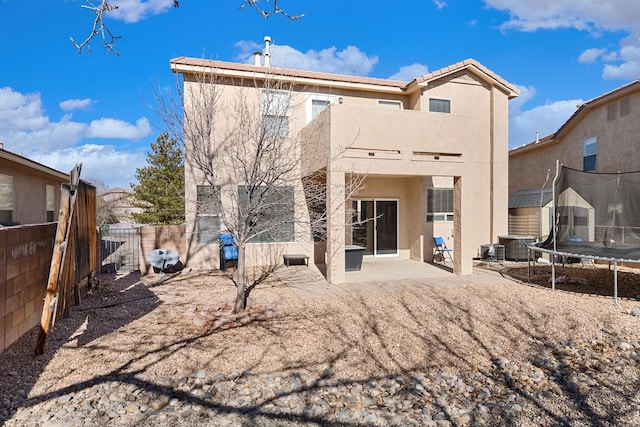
(228, 251)
(441, 250)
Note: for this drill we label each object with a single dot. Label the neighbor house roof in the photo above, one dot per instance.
(575, 118)
(20, 160)
(530, 198)
(232, 69)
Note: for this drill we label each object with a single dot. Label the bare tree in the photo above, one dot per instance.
(104, 7)
(243, 147)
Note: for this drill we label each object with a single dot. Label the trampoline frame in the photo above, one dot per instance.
(534, 248)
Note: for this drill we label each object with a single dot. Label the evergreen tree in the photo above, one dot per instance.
(160, 192)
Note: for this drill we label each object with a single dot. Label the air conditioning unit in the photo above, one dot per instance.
(515, 248)
(492, 252)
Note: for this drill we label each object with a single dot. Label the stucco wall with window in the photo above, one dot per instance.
(617, 139)
(30, 202)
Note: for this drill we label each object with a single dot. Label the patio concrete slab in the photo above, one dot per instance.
(386, 275)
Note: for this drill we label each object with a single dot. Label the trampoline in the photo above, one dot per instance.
(596, 216)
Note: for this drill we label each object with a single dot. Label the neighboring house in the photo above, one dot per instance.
(120, 203)
(433, 150)
(603, 135)
(29, 191)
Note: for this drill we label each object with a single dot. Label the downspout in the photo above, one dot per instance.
(492, 163)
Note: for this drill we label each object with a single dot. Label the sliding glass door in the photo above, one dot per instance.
(375, 226)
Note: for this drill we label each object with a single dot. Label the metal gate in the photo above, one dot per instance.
(120, 248)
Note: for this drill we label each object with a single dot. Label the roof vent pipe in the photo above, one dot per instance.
(257, 58)
(267, 53)
(537, 139)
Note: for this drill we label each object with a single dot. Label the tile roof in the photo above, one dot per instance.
(343, 78)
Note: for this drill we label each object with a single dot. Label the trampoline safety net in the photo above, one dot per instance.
(597, 215)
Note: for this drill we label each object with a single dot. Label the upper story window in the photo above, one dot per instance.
(274, 106)
(208, 208)
(317, 103)
(439, 105)
(439, 204)
(51, 203)
(612, 111)
(392, 105)
(589, 151)
(6, 199)
(625, 107)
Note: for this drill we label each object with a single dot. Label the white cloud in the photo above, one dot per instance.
(24, 126)
(630, 55)
(579, 14)
(409, 72)
(119, 129)
(115, 168)
(594, 16)
(590, 56)
(76, 104)
(440, 4)
(349, 60)
(544, 119)
(131, 11)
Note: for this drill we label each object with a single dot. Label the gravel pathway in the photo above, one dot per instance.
(169, 353)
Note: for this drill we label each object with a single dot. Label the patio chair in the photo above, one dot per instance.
(228, 251)
(441, 250)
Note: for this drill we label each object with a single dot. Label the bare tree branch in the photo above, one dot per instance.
(99, 28)
(108, 38)
(243, 148)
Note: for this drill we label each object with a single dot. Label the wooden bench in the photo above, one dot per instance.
(296, 257)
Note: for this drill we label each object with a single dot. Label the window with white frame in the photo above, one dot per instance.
(390, 104)
(316, 103)
(6, 199)
(51, 203)
(589, 152)
(439, 105)
(439, 204)
(208, 208)
(274, 106)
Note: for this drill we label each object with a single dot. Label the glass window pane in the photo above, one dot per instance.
(317, 106)
(51, 201)
(393, 105)
(270, 210)
(6, 192)
(439, 105)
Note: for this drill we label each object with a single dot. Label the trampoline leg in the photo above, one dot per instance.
(553, 273)
(615, 283)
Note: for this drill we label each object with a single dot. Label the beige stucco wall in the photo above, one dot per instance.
(29, 192)
(401, 152)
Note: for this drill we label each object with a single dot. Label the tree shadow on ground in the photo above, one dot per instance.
(423, 347)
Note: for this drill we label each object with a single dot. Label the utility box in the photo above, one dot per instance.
(353, 257)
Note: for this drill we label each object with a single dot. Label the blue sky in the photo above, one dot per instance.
(60, 107)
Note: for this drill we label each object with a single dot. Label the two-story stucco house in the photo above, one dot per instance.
(29, 191)
(432, 151)
(602, 135)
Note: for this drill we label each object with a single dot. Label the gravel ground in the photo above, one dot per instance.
(168, 352)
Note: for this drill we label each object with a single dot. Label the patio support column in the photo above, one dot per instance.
(335, 227)
(462, 227)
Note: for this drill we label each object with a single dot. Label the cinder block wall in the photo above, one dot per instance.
(25, 258)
